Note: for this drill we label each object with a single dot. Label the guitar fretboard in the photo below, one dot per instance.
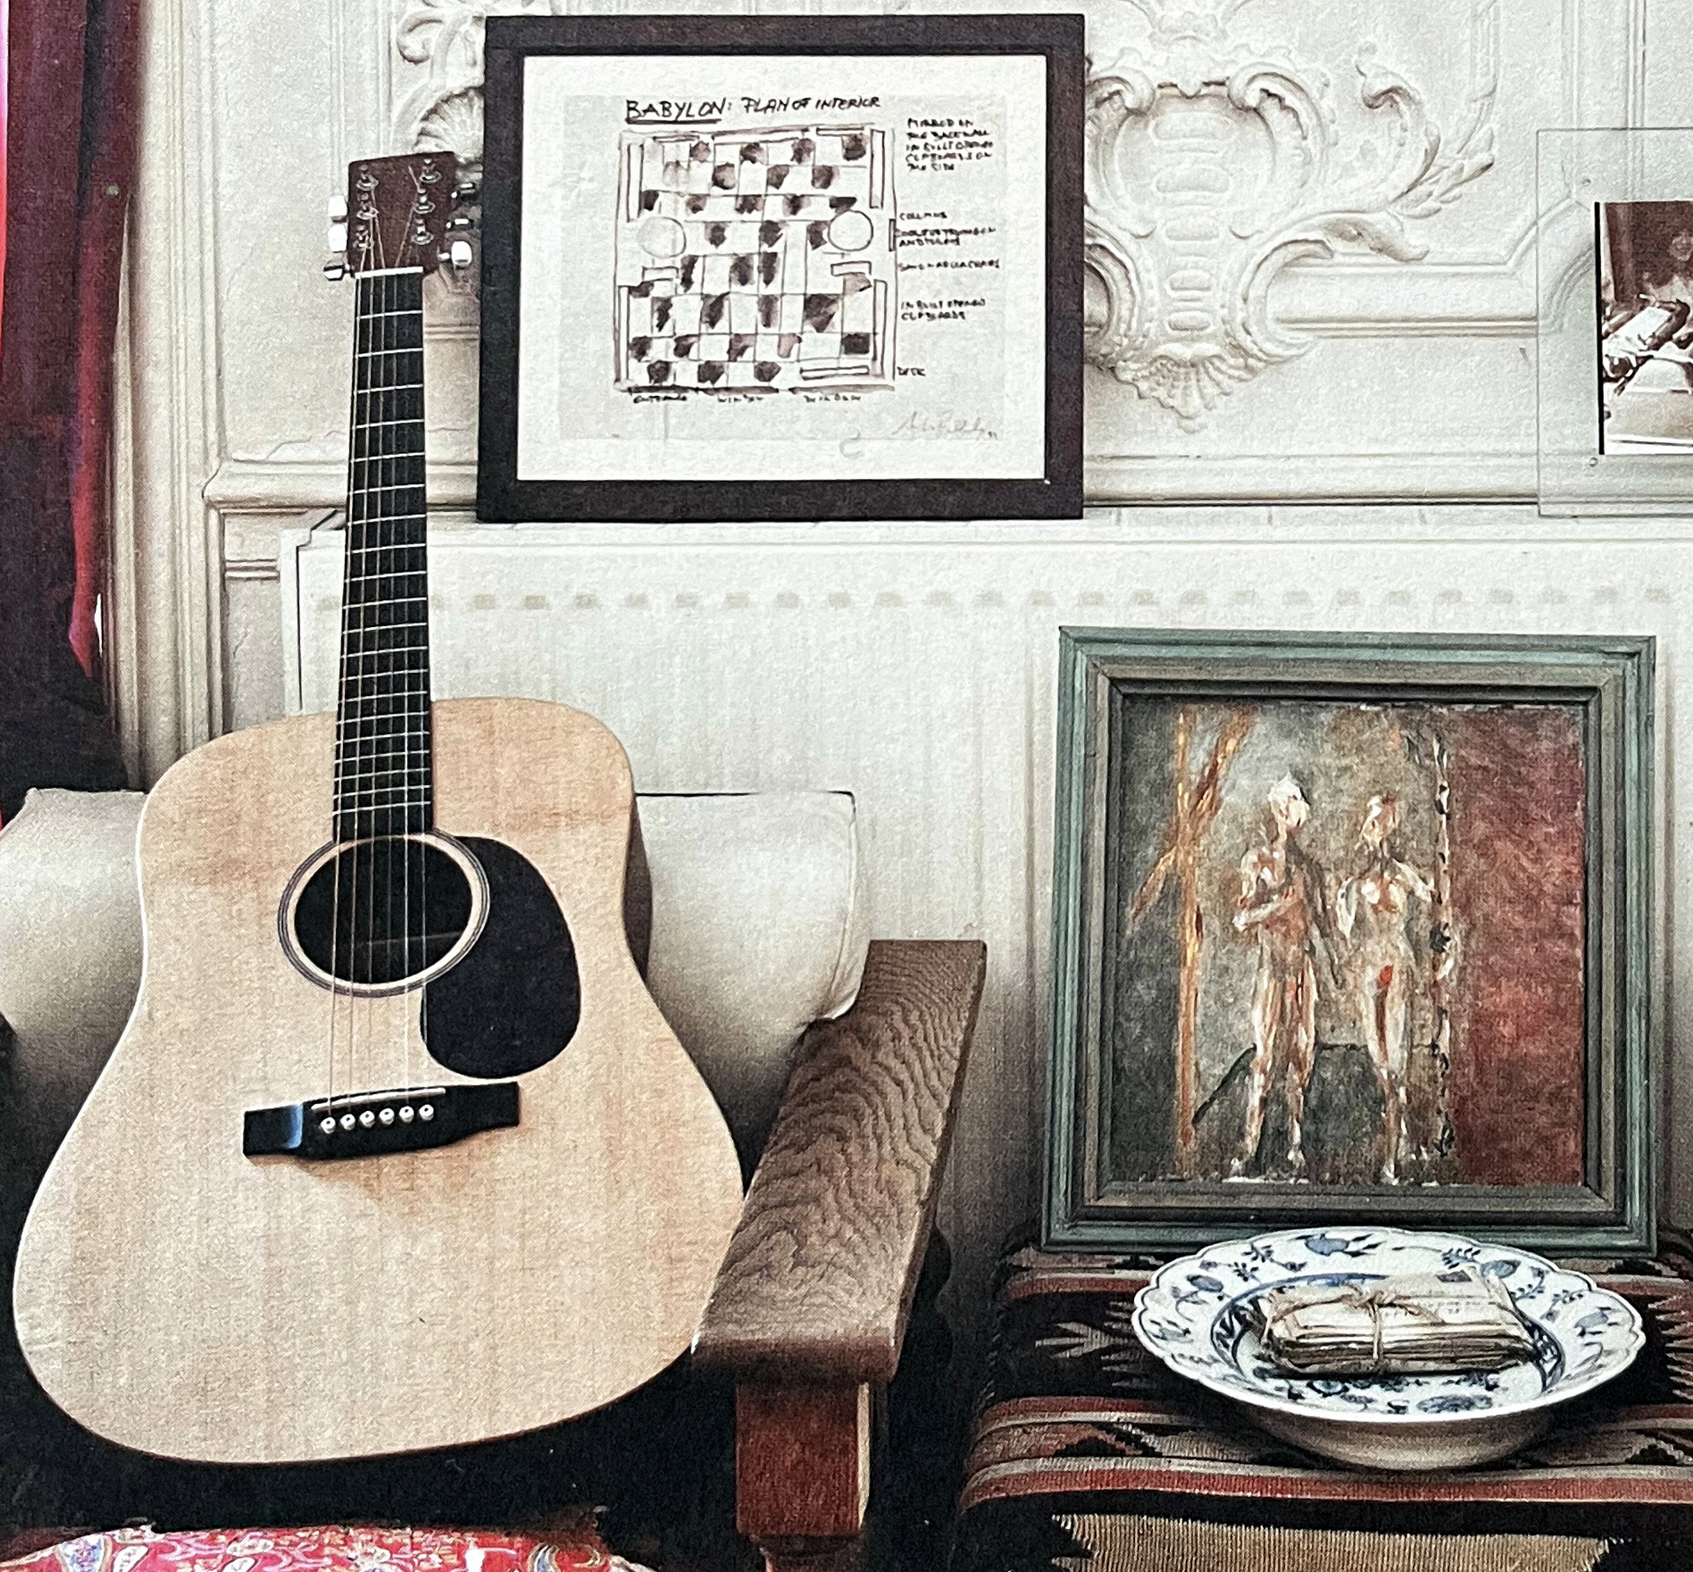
(382, 749)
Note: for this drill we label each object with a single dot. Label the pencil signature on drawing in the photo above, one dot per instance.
(943, 425)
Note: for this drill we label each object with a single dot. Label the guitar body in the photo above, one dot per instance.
(180, 1297)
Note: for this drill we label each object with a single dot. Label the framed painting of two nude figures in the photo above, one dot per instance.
(1351, 928)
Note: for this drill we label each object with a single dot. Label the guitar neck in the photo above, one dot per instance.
(383, 783)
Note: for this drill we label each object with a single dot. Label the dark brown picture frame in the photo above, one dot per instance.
(512, 40)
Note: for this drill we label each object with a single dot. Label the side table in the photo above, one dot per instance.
(1087, 1455)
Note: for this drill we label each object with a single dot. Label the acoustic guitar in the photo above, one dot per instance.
(396, 1151)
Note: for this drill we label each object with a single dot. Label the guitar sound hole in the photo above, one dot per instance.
(380, 911)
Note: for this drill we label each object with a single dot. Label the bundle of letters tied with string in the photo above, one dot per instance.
(1411, 1325)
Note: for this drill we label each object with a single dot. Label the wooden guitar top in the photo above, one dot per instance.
(176, 1296)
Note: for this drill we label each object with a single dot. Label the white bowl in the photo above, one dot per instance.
(1194, 1316)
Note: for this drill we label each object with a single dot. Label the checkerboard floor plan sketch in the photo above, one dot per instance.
(755, 259)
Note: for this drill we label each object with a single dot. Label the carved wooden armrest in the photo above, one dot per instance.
(811, 1303)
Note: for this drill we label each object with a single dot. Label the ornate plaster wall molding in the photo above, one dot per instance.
(1213, 163)
(443, 112)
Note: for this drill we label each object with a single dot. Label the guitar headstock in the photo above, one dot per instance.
(397, 214)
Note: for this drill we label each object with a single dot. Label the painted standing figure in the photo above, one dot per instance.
(1372, 907)
(1282, 902)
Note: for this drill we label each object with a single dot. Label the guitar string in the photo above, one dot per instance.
(344, 706)
(393, 474)
(383, 799)
(388, 682)
(418, 467)
(379, 845)
(364, 821)
(357, 542)
(400, 1008)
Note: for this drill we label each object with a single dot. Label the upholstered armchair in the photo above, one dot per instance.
(858, 1047)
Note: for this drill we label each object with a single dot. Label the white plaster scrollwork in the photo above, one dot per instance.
(444, 110)
(1213, 164)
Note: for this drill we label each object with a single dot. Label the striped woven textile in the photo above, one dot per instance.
(1088, 1456)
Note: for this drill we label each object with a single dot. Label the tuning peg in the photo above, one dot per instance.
(335, 237)
(461, 223)
(458, 256)
(338, 210)
(335, 269)
(466, 191)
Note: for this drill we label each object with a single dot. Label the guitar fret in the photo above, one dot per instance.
(371, 755)
(392, 573)
(411, 788)
(415, 778)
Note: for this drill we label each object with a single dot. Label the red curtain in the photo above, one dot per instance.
(66, 158)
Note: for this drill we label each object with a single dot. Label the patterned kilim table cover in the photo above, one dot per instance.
(1087, 1455)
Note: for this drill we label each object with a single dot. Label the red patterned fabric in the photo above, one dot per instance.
(325, 1549)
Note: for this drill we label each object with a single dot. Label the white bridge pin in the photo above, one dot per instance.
(426, 1112)
(367, 1118)
(406, 1115)
(386, 1116)
(327, 1125)
(346, 1121)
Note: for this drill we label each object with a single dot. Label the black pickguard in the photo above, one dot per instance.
(513, 1003)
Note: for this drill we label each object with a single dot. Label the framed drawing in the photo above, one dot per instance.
(1352, 927)
(782, 267)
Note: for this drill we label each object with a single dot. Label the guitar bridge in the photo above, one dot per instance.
(371, 1124)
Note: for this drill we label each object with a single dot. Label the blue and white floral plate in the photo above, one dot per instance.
(1195, 1316)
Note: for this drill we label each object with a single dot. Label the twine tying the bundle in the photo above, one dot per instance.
(1375, 1300)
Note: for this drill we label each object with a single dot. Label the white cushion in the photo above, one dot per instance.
(70, 942)
(759, 928)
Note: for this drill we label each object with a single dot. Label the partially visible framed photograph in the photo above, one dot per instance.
(782, 267)
(1613, 364)
(1645, 360)
(1348, 928)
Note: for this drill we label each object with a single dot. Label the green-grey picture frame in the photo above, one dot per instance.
(1448, 802)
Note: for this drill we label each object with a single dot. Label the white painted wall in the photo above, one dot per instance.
(912, 664)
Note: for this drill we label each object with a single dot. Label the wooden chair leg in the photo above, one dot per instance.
(802, 1473)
